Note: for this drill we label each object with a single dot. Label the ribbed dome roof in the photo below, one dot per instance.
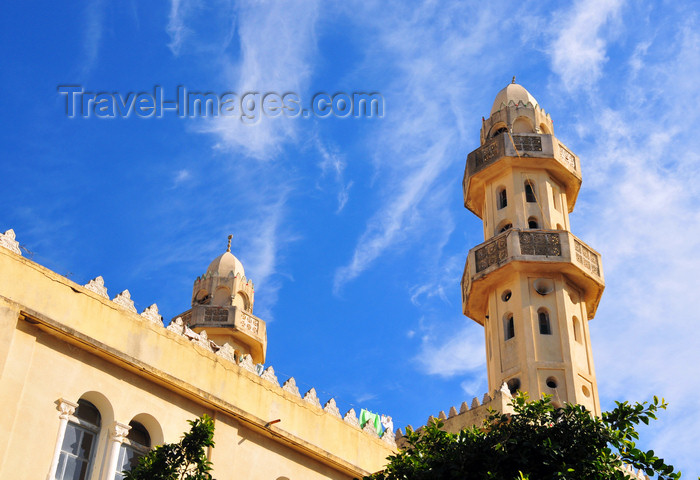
(514, 92)
(224, 264)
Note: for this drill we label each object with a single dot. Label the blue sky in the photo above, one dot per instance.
(353, 229)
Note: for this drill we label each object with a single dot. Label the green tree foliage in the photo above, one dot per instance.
(185, 460)
(537, 441)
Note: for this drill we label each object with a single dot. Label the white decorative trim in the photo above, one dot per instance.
(97, 285)
(65, 409)
(246, 363)
(118, 434)
(151, 313)
(124, 299)
(269, 375)
(389, 437)
(227, 352)
(177, 326)
(351, 418)
(203, 340)
(332, 408)
(291, 386)
(8, 241)
(312, 398)
(369, 429)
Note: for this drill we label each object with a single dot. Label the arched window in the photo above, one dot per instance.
(508, 326)
(135, 446)
(543, 317)
(523, 125)
(532, 223)
(499, 131)
(577, 330)
(513, 385)
(505, 227)
(502, 198)
(530, 192)
(79, 443)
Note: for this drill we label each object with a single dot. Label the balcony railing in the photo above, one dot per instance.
(552, 251)
(532, 245)
(526, 145)
(203, 315)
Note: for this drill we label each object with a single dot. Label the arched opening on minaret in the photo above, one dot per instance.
(202, 297)
(577, 330)
(543, 318)
(513, 385)
(544, 129)
(530, 192)
(508, 326)
(532, 223)
(222, 297)
(523, 125)
(498, 129)
(502, 198)
(505, 225)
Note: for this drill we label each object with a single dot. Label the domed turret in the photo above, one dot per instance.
(512, 93)
(515, 110)
(225, 264)
(222, 304)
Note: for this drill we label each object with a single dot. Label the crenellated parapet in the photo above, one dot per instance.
(468, 415)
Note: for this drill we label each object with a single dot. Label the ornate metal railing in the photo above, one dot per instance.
(528, 145)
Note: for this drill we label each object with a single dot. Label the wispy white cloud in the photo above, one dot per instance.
(92, 35)
(416, 143)
(460, 353)
(578, 53)
(333, 163)
(277, 45)
(642, 176)
(176, 27)
(181, 176)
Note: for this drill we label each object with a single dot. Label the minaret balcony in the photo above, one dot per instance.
(229, 321)
(526, 150)
(536, 251)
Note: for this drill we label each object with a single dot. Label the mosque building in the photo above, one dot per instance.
(87, 383)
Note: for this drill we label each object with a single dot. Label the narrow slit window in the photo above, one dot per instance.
(502, 198)
(545, 326)
(509, 327)
(530, 192)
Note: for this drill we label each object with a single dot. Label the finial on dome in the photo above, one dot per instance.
(228, 247)
(513, 81)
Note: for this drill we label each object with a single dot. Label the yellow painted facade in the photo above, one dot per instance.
(61, 341)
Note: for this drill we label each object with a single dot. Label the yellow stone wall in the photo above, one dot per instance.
(60, 340)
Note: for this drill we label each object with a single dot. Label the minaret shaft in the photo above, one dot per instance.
(532, 284)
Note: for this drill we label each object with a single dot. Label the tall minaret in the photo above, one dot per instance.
(532, 284)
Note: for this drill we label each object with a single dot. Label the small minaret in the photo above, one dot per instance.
(532, 284)
(222, 304)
